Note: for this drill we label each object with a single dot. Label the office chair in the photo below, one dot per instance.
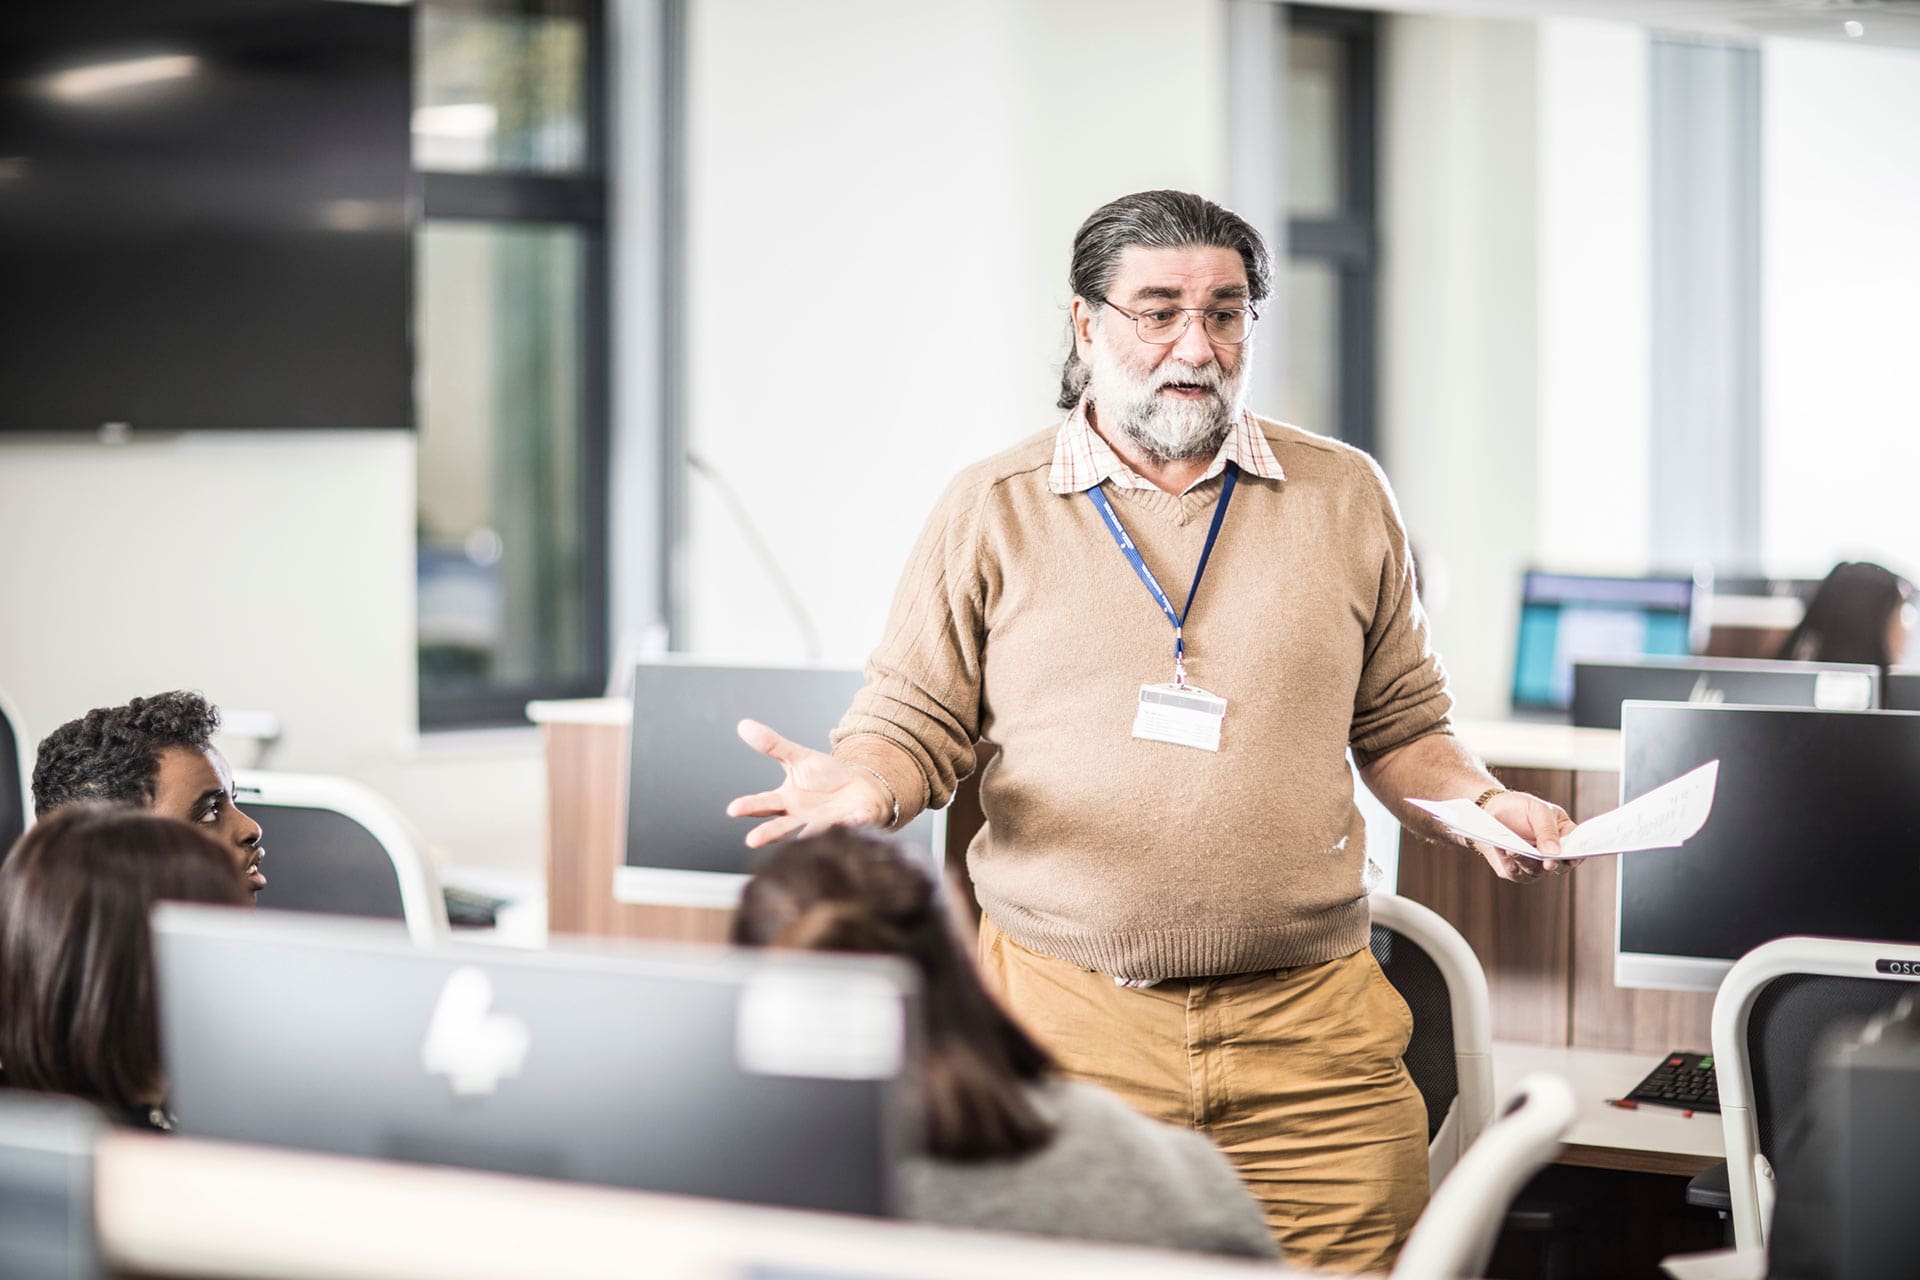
(1772, 1014)
(16, 775)
(1450, 1056)
(337, 848)
(1455, 1236)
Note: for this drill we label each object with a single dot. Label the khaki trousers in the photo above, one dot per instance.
(1295, 1074)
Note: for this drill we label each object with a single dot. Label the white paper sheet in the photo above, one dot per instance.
(1667, 816)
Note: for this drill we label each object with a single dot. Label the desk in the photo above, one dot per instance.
(586, 751)
(1548, 947)
(175, 1206)
(1649, 1140)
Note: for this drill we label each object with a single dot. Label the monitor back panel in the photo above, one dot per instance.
(1815, 829)
(687, 761)
(661, 1072)
(1600, 687)
(1901, 690)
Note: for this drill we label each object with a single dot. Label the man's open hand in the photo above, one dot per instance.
(820, 792)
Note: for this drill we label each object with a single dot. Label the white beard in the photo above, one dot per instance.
(1164, 429)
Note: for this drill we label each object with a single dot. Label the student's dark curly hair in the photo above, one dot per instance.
(112, 753)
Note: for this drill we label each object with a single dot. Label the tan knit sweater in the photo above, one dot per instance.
(1019, 623)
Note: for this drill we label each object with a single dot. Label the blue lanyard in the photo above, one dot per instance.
(1132, 553)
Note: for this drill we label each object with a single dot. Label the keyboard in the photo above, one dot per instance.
(469, 909)
(1683, 1080)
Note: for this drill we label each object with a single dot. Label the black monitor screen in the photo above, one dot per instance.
(204, 217)
(1815, 829)
(1901, 690)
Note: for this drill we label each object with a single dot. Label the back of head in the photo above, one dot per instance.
(76, 971)
(1154, 220)
(111, 754)
(1851, 616)
(845, 892)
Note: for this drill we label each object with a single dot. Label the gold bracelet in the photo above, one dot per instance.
(1487, 795)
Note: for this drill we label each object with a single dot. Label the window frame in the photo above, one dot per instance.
(1348, 242)
(578, 200)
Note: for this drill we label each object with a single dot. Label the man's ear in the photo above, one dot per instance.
(1084, 314)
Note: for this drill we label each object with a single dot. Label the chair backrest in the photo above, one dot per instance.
(335, 847)
(16, 775)
(1773, 1014)
(1455, 1236)
(1450, 1055)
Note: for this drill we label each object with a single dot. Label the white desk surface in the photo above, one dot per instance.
(581, 711)
(175, 1206)
(1534, 744)
(1656, 1139)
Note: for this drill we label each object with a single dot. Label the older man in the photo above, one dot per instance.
(1174, 620)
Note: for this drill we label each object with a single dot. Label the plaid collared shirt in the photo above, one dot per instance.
(1082, 460)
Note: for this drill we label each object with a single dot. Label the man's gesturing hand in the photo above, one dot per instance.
(819, 792)
(1540, 822)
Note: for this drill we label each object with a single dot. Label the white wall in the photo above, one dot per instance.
(1841, 255)
(1594, 262)
(882, 197)
(1514, 349)
(1459, 331)
(271, 571)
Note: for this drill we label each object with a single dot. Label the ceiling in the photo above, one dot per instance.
(1884, 23)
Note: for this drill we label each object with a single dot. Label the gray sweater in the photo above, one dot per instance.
(1110, 1174)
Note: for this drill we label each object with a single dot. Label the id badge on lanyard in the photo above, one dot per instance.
(1177, 712)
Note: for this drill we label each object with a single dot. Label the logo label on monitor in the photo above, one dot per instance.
(467, 1042)
(1704, 694)
(829, 1026)
(1903, 968)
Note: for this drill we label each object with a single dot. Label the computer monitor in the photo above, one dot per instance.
(768, 1077)
(1900, 691)
(686, 761)
(1815, 830)
(1600, 687)
(1566, 618)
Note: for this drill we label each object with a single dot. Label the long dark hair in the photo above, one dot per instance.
(845, 892)
(77, 1009)
(1849, 616)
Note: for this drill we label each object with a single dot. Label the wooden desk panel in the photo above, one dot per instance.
(586, 842)
(1521, 932)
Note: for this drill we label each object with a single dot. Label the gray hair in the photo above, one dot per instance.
(1158, 220)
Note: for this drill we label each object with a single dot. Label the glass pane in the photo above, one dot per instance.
(499, 92)
(1311, 396)
(1316, 124)
(500, 527)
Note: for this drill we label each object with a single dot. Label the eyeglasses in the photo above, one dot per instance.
(1162, 326)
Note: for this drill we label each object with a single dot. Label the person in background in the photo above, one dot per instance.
(1861, 613)
(77, 1011)
(1009, 1145)
(154, 753)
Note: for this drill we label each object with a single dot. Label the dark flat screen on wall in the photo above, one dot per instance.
(205, 215)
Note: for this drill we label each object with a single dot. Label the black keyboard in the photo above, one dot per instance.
(1683, 1080)
(470, 909)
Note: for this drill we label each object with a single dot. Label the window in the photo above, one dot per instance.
(511, 343)
(1330, 274)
